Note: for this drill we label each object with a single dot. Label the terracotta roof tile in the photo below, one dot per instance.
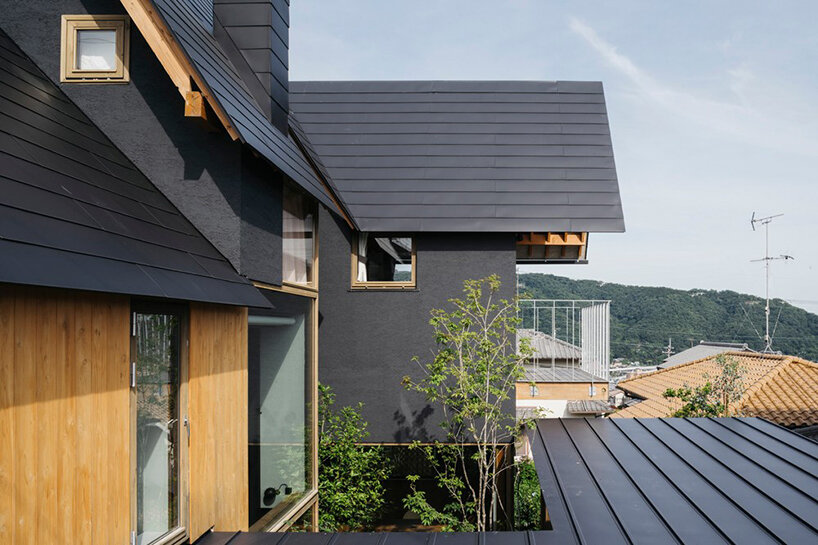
(782, 389)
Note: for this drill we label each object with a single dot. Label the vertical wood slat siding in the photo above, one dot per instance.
(217, 393)
(63, 417)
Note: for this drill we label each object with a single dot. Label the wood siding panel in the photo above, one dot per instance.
(218, 418)
(63, 424)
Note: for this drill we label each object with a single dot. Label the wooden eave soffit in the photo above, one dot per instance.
(175, 63)
(563, 245)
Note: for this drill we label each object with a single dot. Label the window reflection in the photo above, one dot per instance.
(280, 400)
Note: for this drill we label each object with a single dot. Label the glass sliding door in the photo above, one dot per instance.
(157, 344)
(280, 407)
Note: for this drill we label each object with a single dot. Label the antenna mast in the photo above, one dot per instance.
(765, 222)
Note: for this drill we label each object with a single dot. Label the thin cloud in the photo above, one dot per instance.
(744, 120)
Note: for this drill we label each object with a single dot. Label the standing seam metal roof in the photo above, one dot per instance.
(75, 212)
(674, 480)
(466, 155)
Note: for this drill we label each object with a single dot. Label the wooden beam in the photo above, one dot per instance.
(195, 105)
(172, 58)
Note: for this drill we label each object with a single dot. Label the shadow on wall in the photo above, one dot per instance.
(412, 427)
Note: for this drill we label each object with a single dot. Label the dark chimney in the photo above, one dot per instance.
(255, 37)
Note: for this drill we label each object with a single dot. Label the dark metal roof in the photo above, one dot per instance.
(204, 52)
(673, 480)
(391, 538)
(466, 156)
(76, 213)
(695, 481)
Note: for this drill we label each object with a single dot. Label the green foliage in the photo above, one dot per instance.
(471, 376)
(527, 498)
(716, 396)
(700, 401)
(350, 475)
(643, 318)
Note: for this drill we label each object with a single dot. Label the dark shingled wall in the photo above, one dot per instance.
(367, 339)
(206, 175)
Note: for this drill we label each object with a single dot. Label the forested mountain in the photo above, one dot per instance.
(644, 318)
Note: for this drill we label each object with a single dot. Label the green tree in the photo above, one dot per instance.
(350, 475)
(716, 396)
(527, 498)
(471, 376)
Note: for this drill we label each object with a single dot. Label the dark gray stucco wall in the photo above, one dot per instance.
(367, 339)
(216, 184)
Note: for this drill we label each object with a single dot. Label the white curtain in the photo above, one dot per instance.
(363, 238)
(296, 245)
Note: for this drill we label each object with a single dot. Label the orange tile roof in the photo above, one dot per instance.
(782, 389)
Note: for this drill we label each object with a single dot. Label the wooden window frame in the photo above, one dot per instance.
(180, 534)
(71, 24)
(310, 287)
(382, 285)
(283, 520)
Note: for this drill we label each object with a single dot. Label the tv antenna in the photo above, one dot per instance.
(765, 222)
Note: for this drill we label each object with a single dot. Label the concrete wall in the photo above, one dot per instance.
(231, 197)
(368, 338)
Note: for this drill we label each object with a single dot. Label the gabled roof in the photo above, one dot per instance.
(702, 350)
(504, 156)
(782, 389)
(76, 213)
(189, 27)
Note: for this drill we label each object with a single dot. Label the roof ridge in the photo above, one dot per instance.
(738, 353)
(754, 388)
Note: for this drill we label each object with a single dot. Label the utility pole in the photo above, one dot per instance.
(669, 348)
(767, 259)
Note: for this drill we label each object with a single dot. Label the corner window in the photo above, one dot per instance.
(299, 235)
(383, 261)
(94, 48)
(281, 400)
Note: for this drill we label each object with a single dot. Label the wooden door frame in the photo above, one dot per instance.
(140, 306)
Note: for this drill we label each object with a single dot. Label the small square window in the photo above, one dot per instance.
(534, 390)
(383, 261)
(94, 48)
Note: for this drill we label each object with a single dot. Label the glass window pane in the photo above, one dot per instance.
(298, 235)
(157, 425)
(96, 50)
(384, 259)
(280, 400)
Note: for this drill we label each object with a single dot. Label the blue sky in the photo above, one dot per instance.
(713, 108)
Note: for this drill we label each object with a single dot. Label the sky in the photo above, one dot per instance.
(713, 108)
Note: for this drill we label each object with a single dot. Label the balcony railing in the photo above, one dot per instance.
(568, 334)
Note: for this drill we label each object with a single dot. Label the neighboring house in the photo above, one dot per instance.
(781, 389)
(164, 189)
(561, 392)
(702, 350)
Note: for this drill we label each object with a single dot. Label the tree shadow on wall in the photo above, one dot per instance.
(412, 427)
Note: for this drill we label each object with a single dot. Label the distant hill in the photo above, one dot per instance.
(643, 318)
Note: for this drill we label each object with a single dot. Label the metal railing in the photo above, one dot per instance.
(568, 333)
